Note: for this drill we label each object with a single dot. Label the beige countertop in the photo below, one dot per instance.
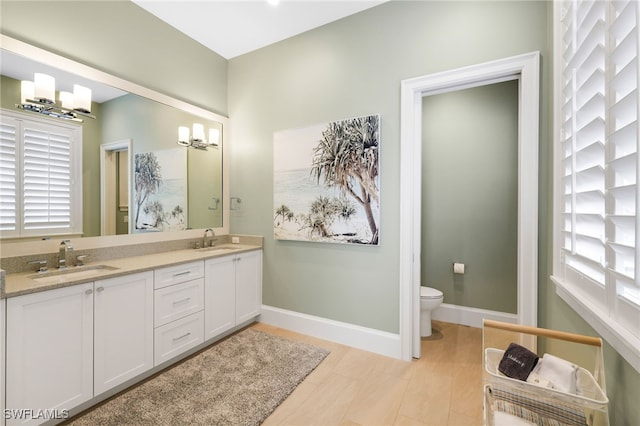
(32, 282)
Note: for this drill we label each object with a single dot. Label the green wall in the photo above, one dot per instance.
(470, 195)
(350, 68)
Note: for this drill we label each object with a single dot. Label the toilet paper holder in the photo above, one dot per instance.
(458, 268)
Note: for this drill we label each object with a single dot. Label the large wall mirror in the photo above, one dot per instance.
(131, 124)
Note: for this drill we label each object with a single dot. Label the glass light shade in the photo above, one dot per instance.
(45, 87)
(66, 100)
(198, 132)
(27, 91)
(214, 137)
(183, 135)
(81, 98)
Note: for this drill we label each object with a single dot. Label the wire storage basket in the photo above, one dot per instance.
(509, 401)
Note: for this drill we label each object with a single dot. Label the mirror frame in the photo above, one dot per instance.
(46, 57)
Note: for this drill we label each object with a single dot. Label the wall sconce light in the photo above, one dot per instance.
(39, 96)
(198, 140)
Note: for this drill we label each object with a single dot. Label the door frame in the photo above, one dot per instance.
(108, 168)
(525, 68)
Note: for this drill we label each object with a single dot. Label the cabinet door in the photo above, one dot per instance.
(248, 285)
(49, 349)
(219, 295)
(123, 329)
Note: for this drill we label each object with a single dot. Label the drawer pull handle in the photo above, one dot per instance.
(181, 337)
(186, 299)
(177, 274)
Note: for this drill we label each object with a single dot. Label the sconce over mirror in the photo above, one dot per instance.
(123, 111)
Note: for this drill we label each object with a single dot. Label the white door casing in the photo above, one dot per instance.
(525, 68)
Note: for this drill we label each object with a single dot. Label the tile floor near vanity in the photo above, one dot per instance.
(355, 387)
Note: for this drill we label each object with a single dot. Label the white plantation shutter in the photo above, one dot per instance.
(624, 137)
(43, 163)
(8, 176)
(600, 231)
(47, 179)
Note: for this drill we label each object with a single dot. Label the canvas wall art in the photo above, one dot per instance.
(160, 190)
(326, 182)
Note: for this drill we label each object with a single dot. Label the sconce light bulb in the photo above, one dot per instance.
(45, 87)
(81, 98)
(214, 137)
(198, 132)
(66, 100)
(183, 136)
(27, 91)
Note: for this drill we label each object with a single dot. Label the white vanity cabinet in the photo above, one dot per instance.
(123, 335)
(233, 291)
(66, 345)
(179, 309)
(49, 344)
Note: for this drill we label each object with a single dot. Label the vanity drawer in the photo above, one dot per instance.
(177, 337)
(177, 301)
(171, 275)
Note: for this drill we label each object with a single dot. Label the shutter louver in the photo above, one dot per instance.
(584, 139)
(8, 177)
(622, 156)
(47, 180)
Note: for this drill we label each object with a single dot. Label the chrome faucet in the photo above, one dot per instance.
(65, 247)
(209, 242)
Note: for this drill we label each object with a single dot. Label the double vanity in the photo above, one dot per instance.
(78, 335)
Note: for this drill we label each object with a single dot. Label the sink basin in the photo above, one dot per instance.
(218, 249)
(55, 277)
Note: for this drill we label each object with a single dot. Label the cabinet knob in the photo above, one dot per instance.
(100, 288)
(88, 292)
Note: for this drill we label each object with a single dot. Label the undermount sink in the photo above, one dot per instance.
(79, 272)
(218, 249)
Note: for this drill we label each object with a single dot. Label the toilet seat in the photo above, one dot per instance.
(429, 293)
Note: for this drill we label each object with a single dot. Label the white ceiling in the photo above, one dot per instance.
(234, 27)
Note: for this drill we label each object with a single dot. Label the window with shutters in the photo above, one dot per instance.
(40, 176)
(597, 134)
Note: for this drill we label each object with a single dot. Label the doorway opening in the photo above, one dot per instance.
(525, 68)
(115, 192)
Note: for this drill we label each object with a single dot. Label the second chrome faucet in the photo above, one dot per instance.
(210, 241)
(65, 249)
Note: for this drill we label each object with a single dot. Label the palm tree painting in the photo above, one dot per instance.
(326, 182)
(160, 190)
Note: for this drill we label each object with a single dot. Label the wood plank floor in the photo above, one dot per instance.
(355, 387)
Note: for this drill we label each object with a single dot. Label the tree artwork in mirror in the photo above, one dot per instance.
(184, 189)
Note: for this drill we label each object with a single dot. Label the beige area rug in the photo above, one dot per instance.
(239, 381)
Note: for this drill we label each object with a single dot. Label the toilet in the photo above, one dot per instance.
(430, 299)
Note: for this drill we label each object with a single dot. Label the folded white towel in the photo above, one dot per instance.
(555, 373)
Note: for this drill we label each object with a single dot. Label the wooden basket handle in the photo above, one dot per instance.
(561, 335)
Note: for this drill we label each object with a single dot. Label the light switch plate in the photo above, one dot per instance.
(235, 240)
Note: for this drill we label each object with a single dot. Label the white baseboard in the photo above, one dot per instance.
(472, 317)
(368, 339)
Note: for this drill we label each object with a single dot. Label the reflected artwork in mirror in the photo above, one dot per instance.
(148, 121)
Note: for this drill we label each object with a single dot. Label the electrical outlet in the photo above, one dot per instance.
(235, 240)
